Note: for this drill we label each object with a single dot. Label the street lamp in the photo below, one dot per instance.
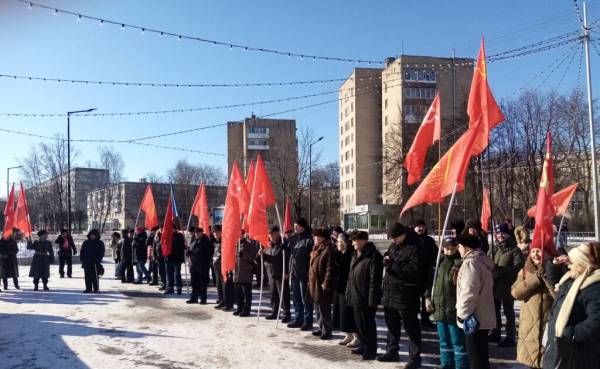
(8, 179)
(69, 162)
(310, 179)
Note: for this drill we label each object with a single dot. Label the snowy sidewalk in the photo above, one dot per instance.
(135, 326)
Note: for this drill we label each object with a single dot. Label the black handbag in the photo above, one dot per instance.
(99, 270)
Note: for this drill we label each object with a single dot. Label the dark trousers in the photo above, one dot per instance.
(142, 271)
(173, 276)
(275, 287)
(228, 289)
(366, 329)
(68, 260)
(509, 312)
(162, 270)
(126, 271)
(220, 284)
(324, 317)
(243, 297)
(199, 286)
(5, 282)
(91, 277)
(394, 319)
(303, 305)
(477, 348)
(36, 282)
(343, 318)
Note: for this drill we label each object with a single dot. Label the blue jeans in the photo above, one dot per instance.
(142, 272)
(453, 352)
(303, 306)
(173, 275)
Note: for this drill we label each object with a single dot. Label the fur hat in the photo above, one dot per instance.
(457, 225)
(302, 223)
(522, 235)
(94, 232)
(359, 235)
(274, 229)
(321, 232)
(398, 230)
(469, 241)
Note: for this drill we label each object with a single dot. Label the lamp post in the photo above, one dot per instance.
(69, 163)
(8, 179)
(310, 179)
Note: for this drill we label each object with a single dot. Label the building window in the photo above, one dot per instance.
(351, 106)
(352, 137)
(341, 143)
(352, 153)
(341, 130)
(352, 183)
(347, 155)
(262, 130)
(419, 93)
(347, 126)
(347, 140)
(419, 75)
(351, 122)
(352, 168)
(411, 113)
(385, 120)
(385, 103)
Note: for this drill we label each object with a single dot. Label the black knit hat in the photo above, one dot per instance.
(338, 229)
(398, 230)
(42, 232)
(302, 223)
(274, 229)
(94, 232)
(469, 241)
(420, 222)
(217, 228)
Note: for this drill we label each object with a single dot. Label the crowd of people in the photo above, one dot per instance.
(341, 279)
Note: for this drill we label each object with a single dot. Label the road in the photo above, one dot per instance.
(128, 326)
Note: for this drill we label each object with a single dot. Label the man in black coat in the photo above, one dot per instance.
(126, 249)
(300, 245)
(225, 289)
(363, 292)
(428, 251)
(141, 255)
(274, 261)
(66, 250)
(401, 294)
(174, 261)
(200, 254)
(92, 252)
(153, 265)
(9, 267)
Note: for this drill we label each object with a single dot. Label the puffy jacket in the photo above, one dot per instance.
(273, 258)
(244, 261)
(532, 288)
(92, 252)
(580, 338)
(509, 261)
(403, 276)
(301, 245)
(322, 274)
(474, 290)
(444, 293)
(200, 254)
(364, 279)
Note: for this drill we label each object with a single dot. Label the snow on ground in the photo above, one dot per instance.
(135, 326)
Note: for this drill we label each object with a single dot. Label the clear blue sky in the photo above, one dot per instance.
(36, 42)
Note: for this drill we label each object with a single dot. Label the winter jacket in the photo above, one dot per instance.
(43, 257)
(200, 254)
(157, 248)
(139, 246)
(444, 293)
(403, 275)
(217, 254)
(322, 274)
(177, 249)
(126, 249)
(509, 261)
(92, 252)
(116, 252)
(428, 252)
(532, 288)
(244, 261)
(8, 254)
(301, 245)
(580, 338)
(273, 258)
(65, 247)
(474, 290)
(364, 279)
(343, 260)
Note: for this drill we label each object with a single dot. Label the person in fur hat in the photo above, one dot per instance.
(574, 323)
(43, 257)
(523, 240)
(92, 252)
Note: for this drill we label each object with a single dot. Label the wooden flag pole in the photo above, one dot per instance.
(437, 262)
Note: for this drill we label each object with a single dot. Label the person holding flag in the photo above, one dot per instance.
(274, 260)
(226, 294)
(301, 245)
(242, 276)
(200, 254)
(43, 257)
(173, 248)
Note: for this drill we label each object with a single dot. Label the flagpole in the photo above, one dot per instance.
(262, 279)
(437, 262)
(283, 267)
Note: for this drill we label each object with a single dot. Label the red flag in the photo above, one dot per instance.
(482, 108)
(200, 208)
(262, 198)
(22, 220)
(486, 211)
(166, 237)
(287, 217)
(543, 234)
(450, 170)
(149, 208)
(429, 132)
(560, 200)
(9, 214)
(237, 195)
(249, 184)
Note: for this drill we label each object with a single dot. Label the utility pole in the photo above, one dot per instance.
(594, 174)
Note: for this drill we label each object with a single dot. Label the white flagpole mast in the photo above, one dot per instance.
(442, 237)
(283, 272)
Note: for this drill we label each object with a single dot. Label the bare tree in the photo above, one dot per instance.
(112, 161)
